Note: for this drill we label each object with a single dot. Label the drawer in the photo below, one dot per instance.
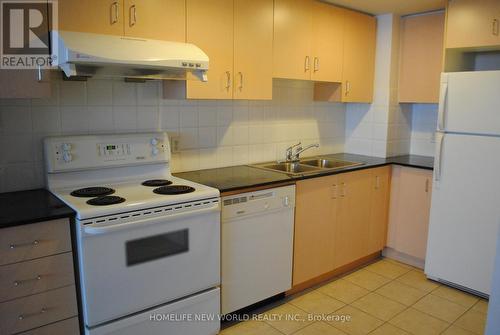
(36, 276)
(35, 240)
(37, 310)
(65, 327)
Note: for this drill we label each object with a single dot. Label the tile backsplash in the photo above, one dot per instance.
(211, 133)
(424, 121)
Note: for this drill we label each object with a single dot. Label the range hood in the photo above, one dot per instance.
(89, 55)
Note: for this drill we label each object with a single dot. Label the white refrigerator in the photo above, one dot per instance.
(465, 211)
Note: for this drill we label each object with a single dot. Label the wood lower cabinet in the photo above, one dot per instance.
(339, 220)
(359, 57)
(472, 23)
(409, 211)
(353, 217)
(315, 223)
(421, 58)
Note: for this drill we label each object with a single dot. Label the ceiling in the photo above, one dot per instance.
(402, 7)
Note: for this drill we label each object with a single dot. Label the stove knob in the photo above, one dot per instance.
(67, 157)
(155, 151)
(154, 141)
(66, 146)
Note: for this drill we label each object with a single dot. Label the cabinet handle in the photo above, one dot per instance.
(344, 190)
(228, 79)
(24, 316)
(19, 282)
(316, 64)
(39, 74)
(377, 182)
(132, 16)
(427, 185)
(307, 63)
(495, 27)
(334, 191)
(34, 243)
(347, 87)
(241, 80)
(114, 12)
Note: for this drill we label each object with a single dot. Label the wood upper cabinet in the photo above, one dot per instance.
(353, 217)
(253, 49)
(315, 223)
(210, 27)
(379, 216)
(155, 19)
(421, 57)
(472, 23)
(409, 211)
(91, 16)
(359, 57)
(292, 39)
(327, 42)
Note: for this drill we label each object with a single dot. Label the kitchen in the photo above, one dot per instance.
(289, 166)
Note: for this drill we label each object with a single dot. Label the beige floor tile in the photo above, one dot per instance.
(417, 279)
(456, 296)
(317, 303)
(418, 323)
(388, 329)
(379, 306)
(367, 279)
(402, 293)
(399, 263)
(344, 291)
(472, 320)
(454, 330)
(319, 328)
(440, 308)
(481, 306)
(250, 328)
(360, 323)
(287, 318)
(388, 269)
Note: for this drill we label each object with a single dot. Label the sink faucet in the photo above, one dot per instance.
(292, 156)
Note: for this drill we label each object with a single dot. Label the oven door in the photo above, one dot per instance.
(131, 266)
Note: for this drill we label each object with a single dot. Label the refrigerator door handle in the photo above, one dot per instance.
(439, 153)
(443, 99)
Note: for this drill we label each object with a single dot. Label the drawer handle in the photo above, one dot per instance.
(19, 282)
(34, 243)
(24, 316)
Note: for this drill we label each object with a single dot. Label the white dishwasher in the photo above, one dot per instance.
(257, 246)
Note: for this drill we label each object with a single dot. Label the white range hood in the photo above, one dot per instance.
(86, 54)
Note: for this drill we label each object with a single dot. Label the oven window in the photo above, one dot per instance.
(156, 247)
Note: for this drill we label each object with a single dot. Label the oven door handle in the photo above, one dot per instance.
(98, 229)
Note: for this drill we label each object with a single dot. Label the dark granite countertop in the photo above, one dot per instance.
(24, 207)
(240, 177)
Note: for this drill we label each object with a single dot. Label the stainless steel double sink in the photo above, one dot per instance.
(307, 166)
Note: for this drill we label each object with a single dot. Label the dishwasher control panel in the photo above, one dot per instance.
(254, 203)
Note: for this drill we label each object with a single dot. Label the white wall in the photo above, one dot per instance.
(212, 133)
(423, 127)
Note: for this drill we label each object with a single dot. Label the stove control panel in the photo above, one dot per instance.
(70, 153)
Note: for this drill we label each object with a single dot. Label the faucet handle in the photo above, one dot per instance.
(290, 148)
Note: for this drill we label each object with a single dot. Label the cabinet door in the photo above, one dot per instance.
(91, 16)
(353, 217)
(156, 19)
(409, 211)
(421, 58)
(472, 23)
(315, 218)
(359, 57)
(292, 39)
(327, 42)
(253, 49)
(379, 209)
(210, 27)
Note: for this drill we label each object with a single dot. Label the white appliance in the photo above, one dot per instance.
(148, 243)
(493, 321)
(87, 54)
(465, 211)
(257, 246)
